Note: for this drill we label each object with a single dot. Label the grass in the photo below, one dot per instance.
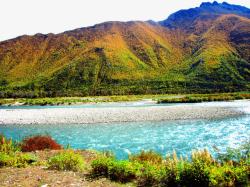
(161, 98)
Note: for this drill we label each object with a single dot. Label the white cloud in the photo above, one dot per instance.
(18, 17)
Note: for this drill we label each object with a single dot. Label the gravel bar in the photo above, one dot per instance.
(114, 114)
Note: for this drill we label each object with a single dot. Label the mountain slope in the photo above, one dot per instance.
(202, 49)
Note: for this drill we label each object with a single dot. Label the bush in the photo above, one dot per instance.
(123, 171)
(6, 160)
(7, 145)
(25, 159)
(151, 175)
(227, 175)
(117, 170)
(201, 170)
(39, 143)
(195, 174)
(173, 168)
(66, 161)
(203, 157)
(100, 166)
(147, 156)
(16, 160)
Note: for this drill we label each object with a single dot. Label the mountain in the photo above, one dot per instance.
(185, 19)
(204, 49)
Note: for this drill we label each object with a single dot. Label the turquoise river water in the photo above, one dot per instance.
(125, 138)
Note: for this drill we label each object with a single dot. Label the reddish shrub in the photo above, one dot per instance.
(39, 143)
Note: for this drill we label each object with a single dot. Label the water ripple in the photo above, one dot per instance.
(126, 138)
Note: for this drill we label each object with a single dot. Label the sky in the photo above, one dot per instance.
(19, 17)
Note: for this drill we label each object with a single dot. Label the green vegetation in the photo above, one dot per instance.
(146, 168)
(8, 146)
(161, 98)
(16, 159)
(66, 161)
(150, 156)
(197, 98)
(11, 156)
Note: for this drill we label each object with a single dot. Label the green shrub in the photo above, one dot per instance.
(203, 156)
(117, 170)
(201, 170)
(242, 175)
(16, 159)
(66, 161)
(7, 160)
(8, 146)
(25, 159)
(100, 166)
(123, 171)
(229, 175)
(195, 174)
(173, 168)
(147, 156)
(151, 175)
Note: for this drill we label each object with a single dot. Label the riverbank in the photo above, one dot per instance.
(39, 175)
(123, 113)
(164, 98)
(41, 161)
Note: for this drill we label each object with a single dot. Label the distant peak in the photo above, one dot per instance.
(225, 3)
(208, 4)
(215, 3)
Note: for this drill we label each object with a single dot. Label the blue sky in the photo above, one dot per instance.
(18, 17)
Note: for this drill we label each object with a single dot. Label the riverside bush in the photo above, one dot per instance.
(122, 171)
(147, 156)
(7, 145)
(200, 170)
(39, 143)
(151, 175)
(66, 161)
(227, 175)
(16, 159)
(100, 166)
(195, 174)
(10, 155)
(117, 170)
